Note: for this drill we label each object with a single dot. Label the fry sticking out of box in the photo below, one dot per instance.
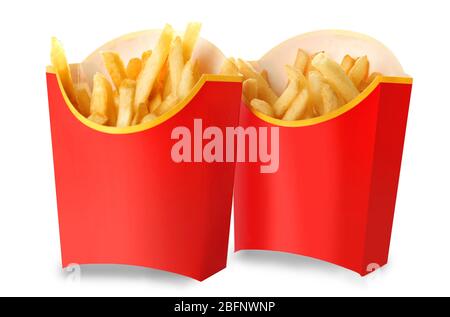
(122, 199)
(333, 195)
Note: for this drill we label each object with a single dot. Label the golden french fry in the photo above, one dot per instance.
(134, 67)
(347, 63)
(265, 75)
(335, 76)
(186, 80)
(140, 112)
(116, 98)
(301, 61)
(196, 71)
(83, 94)
(126, 103)
(265, 92)
(148, 118)
(283, 102)
(330, 101)
(154, 103)
(229, 67)
(309, 66)
(369, 80)
(167, 89)
(315, 84)
(262, 106)
(145, 56)
(358, 73)
(190, 38)
(59, 62)
(176, 63)
(166, 105)
(98, 118)
(102, 100)
(161, 79)
(152, 67)
(294, 74)
(298, 107)
(250, 89)
(114, 66)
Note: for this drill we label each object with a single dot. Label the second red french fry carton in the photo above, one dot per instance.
(122, 197)
(332, 194)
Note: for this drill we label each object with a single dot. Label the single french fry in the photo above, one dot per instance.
(229, 67)
(283, 102)
(196, 71)
(309, 66)
(116, 98)
(59, 62)
(152, 67)
(83, 94)
(176, 63)
(358, 73)
(166, 105)
(265, 92)
(167, 89)
(298, 107)
(315, 84)
(347, 63)
(161, 80)
(186, 80)
(190, 38)
(369, 80)
(140, 112)
(102, 100)
(250, 89)
(262, 106)
(126, 103)
(265, 75)
(335, 76)
(154, 103)
(98, 118)
(148, 118)
(329, 99)
(301, 61)
(145, 56)
(294, 74)
(114, 66)
(134, 67)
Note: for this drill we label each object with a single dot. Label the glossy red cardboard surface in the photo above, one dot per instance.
(333, 197)
(123, 200)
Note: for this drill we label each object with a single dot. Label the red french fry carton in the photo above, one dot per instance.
(331, 195)
(121, 196)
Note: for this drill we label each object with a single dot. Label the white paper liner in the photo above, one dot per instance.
(336, 44)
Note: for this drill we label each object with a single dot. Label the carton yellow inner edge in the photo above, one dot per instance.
(221, 78)
(144, 126)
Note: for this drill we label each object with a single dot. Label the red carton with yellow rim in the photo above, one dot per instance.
(333, 195)
(121, 197)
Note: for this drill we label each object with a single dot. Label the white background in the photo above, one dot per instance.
(29, 241)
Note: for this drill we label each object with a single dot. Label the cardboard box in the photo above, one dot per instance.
(333, 196)
(121, 198)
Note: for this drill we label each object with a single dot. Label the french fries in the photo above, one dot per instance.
(316, 85)
(190, 38)
(59, 62)
(134, 67)
(152, 67)
(147, 87)
(126, 102)
(102, 100)
(115, 67)
(265, 92)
